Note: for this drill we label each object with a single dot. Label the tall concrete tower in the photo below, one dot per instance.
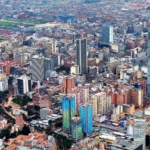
(148, 78)
(81, 55)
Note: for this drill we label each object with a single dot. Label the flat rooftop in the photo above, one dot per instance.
(126, 144)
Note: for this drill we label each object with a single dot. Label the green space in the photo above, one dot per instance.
(63, 142)
(22, 101)
(7, 24)
(11, 22)
(27, 20)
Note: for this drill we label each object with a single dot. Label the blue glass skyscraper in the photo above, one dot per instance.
(107, 33)
(68, 110)
(86, 115)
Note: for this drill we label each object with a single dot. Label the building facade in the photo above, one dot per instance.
(139, 130)
(37, 68)
(86, 115)
(68, 111)
(107, 33)
(23, 84)
(81, 55)
(76, 128)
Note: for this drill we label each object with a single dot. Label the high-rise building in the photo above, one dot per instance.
(94, 104)
(101, 103)
(68, 110)
(23, 84)
(82, 95)
(86, 115)
(76, 128)
(137, 97)
(148, 79)
(68, 84)
(51, 46)
(107, 33)
(37, 68)
(81, 55)
(48, 65)
(139, 130)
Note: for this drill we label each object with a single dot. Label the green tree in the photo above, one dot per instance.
(5, 133)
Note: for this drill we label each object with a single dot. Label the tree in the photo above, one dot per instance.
(26, 130)
(22, 101)
(1, 110)
(63, 142)
(5, 133)
(58, 124)
(50, 122)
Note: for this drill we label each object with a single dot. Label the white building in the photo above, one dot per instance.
(24, 84)
(75, 69)
(4, 84)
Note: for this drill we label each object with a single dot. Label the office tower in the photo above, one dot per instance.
(107, 33)
(23, 84)
(54, 47)
(37, 68)
(148, 78)
(76, 128)
(81, 55)
(48, 65)
(139, 130)
(68, 84)
(86, 115)
(68, 110)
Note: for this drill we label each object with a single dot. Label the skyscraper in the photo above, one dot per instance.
(107, 33)
(76, 128)
(86, 116)
(148, 78)
(23, 84)
(101, 103)
(48, 65)
(37, 68)
(81, 55)
(68, 84)
(68, 110)
(139, 130)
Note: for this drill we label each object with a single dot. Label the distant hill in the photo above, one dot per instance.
(91, 1)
